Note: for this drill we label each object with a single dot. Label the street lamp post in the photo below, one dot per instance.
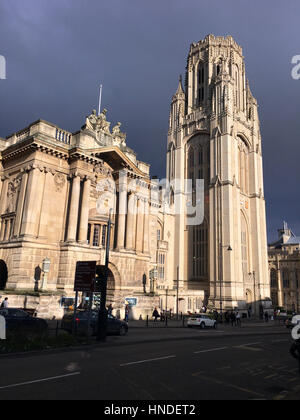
(252, 274)
(177, 294)
(102, 316)
(221, 272)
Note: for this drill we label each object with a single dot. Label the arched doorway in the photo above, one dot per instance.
(100, 273)
(3, 275)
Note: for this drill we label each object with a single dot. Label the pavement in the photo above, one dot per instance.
(155, 364)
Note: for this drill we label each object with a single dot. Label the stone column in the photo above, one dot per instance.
(33, 202)
(3, 201)
(131, 221)
(146, 228)
(92, 234)
(140, 226)
(122, 216)
(85, 208)
(73, 214)
(280, 288)
(20, 204)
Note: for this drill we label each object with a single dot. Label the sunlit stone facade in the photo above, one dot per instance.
(214, 134)
(56, 189)
(56, 192)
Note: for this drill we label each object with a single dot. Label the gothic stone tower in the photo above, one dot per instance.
(214, 134)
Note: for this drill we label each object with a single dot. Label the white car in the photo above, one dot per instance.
(202, 321)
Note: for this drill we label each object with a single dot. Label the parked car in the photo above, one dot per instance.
(114, 325)
(202, 321)
(18, 320)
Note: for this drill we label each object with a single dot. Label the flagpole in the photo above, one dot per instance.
(100, 99)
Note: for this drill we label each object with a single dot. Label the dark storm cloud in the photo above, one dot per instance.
(58, 52)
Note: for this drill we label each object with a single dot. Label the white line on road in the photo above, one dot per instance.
(148, 360)
(248, 344)
(40, 380)
(210, 350)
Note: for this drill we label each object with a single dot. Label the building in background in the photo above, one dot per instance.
(214, 134)
(284, 270)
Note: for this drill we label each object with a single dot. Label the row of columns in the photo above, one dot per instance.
(133, 230)
(133, 215)
(26, 210)
(74, 210)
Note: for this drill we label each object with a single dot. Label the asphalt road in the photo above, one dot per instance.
(206, 365)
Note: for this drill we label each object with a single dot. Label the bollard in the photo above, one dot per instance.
(166, 321)
(183, 321)
(147, 321)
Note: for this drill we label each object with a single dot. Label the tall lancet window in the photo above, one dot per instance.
(243, 166)
(237, 86)
(201, 84)
(244, 247)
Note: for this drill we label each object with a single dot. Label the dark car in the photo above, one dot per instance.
(18, 320)
(114, 325)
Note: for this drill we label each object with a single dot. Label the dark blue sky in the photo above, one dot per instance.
(59, 51)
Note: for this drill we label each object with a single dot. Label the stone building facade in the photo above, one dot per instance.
(56, 192)
(284, 270)
(214, 134)
(57, 188)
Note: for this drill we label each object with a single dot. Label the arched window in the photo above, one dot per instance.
(273, 279)
(244, 247)
(237, 87)
(201, 84)
(200, 251)
(243, 166)
(286, 278)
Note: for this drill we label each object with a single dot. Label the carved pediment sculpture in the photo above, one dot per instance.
(97, 123)
(118, 136)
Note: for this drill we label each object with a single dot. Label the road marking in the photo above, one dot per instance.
(40, 380)
(249, 344)
(271, 376)
(238, 388)
(147, 360)
(248, 347)
(210, 350)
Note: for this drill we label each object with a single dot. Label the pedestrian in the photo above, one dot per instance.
(238, 319)
(109, 309)
(249, 312)
(4, 304)
(155, 314)
(266, 316)
(126, 313)
(295, 351)
(233, 319)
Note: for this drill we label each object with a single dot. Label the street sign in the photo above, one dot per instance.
(131, 301)
(85, 276)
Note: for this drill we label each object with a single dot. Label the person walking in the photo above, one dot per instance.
(266, 316)
(155, 314)
(109, 309)
(126, 313)
(4, 304)
(233, 319)
(238, 319)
